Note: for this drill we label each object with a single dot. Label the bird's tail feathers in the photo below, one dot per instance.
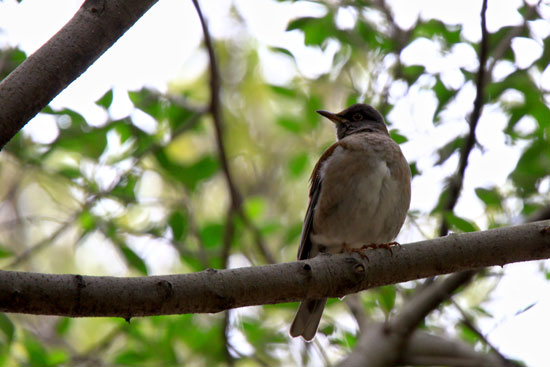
(307, 318)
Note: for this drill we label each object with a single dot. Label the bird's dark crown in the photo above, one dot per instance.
(356, 119)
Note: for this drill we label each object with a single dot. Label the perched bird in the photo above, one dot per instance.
(359, 196)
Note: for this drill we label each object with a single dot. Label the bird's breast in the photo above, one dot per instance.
(361, 200)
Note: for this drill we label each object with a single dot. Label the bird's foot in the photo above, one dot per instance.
(347, 249)
(387, 246)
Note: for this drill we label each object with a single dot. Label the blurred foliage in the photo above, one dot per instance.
(146, 195)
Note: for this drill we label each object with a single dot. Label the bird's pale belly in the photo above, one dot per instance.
(369, 215)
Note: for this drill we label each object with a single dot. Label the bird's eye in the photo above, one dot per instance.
(357, 117)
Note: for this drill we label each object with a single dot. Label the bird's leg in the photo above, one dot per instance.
(347, 249)
(387, 246)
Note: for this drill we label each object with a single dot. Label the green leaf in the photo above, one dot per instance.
(316, 30)
(373, 38)
(87, 221)
(36, 353)
(352, 99)
(443, 96)
(62, 325)
(68, 119)
(282, 50)
(313, 103)
(398, 138)
(460, 224)
(106, 100)
(491, 197)
(270, 228)
(192, 261)
(467, 334)
(83, 139)
(7, 328)
(11, 58)
(290, 124)
(125, 189)
(282, 91)
(4, 252)
(133, 259)
(190, 175)
(211, 235)
(293, 232)
(178, 224)
(437, 29)
(147, 101)
(298, 164)
(544, 59)
(414, 169)
(202, 169)
(448, 149)
(129, 357)
(258, 334)
(532, 167)
(254, 207)
(70, 173)
(412, 73)
(386, 297)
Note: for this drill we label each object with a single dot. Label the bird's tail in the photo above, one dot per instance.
(307, 318)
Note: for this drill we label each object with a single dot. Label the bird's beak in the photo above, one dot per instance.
(331, 116)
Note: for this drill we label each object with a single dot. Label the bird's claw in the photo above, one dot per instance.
(387, 246)
(347, 249)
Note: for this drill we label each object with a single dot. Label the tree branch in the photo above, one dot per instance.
(32, 85)
(429, 350)
(457, 180)
(215, 291)
(381, 345)
(215, 109)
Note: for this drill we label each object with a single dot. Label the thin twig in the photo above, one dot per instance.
(258, 237)
(457, 181)
(514, 32)
(467, 322)
(236, 200)
(216, 110)
(27, 254)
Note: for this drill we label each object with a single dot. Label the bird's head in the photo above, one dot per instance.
(356, 118)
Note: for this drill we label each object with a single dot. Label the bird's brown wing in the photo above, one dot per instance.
(314, 193)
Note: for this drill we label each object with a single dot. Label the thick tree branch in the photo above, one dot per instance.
(94, 28)
(429, 350)
(322, 276)
(381, 345)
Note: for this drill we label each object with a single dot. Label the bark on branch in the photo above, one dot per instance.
(323, 276)
(94, 28)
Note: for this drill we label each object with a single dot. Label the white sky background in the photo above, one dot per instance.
(163, 46)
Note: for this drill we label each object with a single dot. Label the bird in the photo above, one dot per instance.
(359, 197)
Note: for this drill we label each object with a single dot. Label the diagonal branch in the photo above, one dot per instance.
(236, 200)
(469, 323)
(323, 276)
(32, 85)
(215, 109)
(381, 344)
